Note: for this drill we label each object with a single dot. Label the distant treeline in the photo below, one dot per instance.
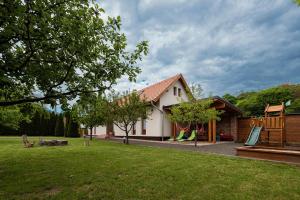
(254, 103)
(45, 124)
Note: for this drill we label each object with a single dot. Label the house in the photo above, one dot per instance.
(162, 96)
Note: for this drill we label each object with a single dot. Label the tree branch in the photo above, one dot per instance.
(119, 126)
(27, 23)
(57, 96)
(63, 79)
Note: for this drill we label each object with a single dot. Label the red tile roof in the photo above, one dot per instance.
(154, 92)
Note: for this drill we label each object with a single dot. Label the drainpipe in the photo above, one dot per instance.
(163, 119)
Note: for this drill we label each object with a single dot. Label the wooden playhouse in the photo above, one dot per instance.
(278, 136)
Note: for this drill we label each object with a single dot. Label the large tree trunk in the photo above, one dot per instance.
(91, 136)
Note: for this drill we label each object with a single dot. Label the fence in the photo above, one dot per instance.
(292, 130)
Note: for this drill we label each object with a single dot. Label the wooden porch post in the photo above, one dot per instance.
(209, 130)
(174, 132)
(214, 130)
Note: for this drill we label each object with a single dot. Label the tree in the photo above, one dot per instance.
(11, 117)
(194, 112)
(127, 110)
(59, 126)
(90, 111)
(254, 103)
(230, 98)
(294, 107)
(72, 127)
(196, 90)
(56, 50)
(297, 2)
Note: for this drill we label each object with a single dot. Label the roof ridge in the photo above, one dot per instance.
(157, 83)
(154, 91)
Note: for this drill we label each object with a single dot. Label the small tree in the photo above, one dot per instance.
(126, 111)
(90, 111)
(196, 91)
(194, 112)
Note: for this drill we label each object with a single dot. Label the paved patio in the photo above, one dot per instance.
(224, 148)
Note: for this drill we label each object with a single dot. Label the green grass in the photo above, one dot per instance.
(107, 170)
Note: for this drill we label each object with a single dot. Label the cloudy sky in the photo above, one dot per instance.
(227, 46)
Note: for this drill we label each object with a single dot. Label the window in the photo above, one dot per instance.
(143, 126)
(133, 130)
(175, 91)
(179, 92)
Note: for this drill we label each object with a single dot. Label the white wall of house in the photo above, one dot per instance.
(167, 99)
(99, 130)
(118, 132)
(153, 126)
(154, 123)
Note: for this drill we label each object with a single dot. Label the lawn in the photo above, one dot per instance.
(108, 170)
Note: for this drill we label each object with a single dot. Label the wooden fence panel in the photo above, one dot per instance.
(292, 125)
(244, 129)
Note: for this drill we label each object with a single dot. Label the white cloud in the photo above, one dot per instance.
(227, 46)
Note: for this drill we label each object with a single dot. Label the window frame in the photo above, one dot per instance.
(175, 91)
(179, 92)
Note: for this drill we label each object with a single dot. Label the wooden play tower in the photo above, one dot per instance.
(274, 121)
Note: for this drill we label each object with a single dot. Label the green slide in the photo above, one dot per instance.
(192, 136)
(253, 136)
(181, 135)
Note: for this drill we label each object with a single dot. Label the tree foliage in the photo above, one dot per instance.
(91, 111)
(196, 91)
(60, 49)
(127, 110)
(71, 127)
(11, 117)
(230, 98)
(194, 112)
(254, 103)
(59, 126)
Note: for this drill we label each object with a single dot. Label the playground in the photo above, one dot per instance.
(275, 136)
